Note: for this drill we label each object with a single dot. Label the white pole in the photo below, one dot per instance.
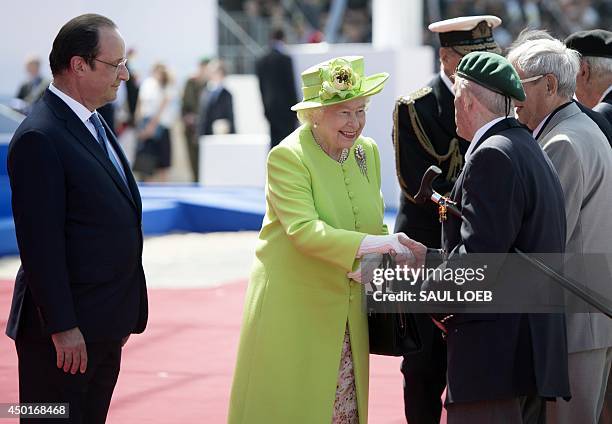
(397, 23)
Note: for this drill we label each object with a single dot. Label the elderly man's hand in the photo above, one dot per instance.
(419, 250)
(388, 244)
(71, 350)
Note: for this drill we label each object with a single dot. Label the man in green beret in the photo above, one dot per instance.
(501, 367)
(424, 134)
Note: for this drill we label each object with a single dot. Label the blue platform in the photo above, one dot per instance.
(193, 208)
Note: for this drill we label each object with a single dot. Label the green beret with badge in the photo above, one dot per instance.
(493, 72)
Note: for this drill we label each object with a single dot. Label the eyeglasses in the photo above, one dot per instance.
(118, 66)
(531, 79)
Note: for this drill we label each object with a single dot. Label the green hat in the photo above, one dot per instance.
(492, 71)
(338, 80)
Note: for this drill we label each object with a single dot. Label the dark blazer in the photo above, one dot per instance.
(277, 86)
(434, 108)
(32, 90)
(78, 229)
(510, 197)
(605, 107)
(605, 125)
(213, 106)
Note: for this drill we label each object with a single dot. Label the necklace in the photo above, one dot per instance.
(343, 155)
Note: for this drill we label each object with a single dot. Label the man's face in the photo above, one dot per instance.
(101, 82)
(534, 108)
(33, 68)
(461, 111)
(449, 60)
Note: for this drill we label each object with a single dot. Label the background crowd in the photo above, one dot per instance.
(155, 112)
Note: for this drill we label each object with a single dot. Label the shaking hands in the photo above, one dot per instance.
(405, 251)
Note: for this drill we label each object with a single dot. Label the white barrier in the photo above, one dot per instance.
(233, 160)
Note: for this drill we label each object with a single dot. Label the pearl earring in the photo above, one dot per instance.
(315, 125)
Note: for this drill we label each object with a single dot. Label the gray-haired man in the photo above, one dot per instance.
(594, 81)
(583, 160)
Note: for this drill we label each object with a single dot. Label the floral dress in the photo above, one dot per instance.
(345, 405)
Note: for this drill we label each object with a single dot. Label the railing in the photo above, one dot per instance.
(241, 40)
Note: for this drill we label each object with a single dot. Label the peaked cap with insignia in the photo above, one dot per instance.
(467, 34)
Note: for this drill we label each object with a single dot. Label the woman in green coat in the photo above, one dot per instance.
(303, 353)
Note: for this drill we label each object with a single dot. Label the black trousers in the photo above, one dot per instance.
(88, 394)
(425, 375)
(519, 410)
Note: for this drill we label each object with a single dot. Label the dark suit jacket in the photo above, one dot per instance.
(510, 197)
(31, 90)
(277, 85)
(605, 107)
(436, 114)
(78, 229)
(605, 125)
(213, 106)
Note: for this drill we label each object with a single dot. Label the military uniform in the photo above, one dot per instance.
(424, 134)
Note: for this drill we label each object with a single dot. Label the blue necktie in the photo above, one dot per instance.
(104, 143)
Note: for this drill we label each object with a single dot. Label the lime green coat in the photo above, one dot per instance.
(299, 299)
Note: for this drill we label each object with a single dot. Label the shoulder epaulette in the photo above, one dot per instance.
(415, 95)
(453, 152)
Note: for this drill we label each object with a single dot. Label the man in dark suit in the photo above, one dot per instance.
(501, 367)
(80, 291)
(216, 104)
(190, 104)
(424, 134)
(594, 81)
(34, 87)
(277, 85)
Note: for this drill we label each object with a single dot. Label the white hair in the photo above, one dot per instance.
(600, 66)
(492, 101)
(545, 56)
(308, 116)
(529, 34)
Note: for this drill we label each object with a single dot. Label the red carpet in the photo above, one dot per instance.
(180, 369)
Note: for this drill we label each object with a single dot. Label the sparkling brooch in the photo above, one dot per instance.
(360, 157)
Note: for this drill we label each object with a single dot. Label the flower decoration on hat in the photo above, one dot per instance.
(339, 79)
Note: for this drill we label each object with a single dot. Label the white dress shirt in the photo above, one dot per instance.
(478, 135)
(83, 114)
(537, 130)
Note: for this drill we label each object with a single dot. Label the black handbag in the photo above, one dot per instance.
(392, 332)
(145, 161)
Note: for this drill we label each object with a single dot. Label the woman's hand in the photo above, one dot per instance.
(148, 131)
(364, 272)
(375, 247)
